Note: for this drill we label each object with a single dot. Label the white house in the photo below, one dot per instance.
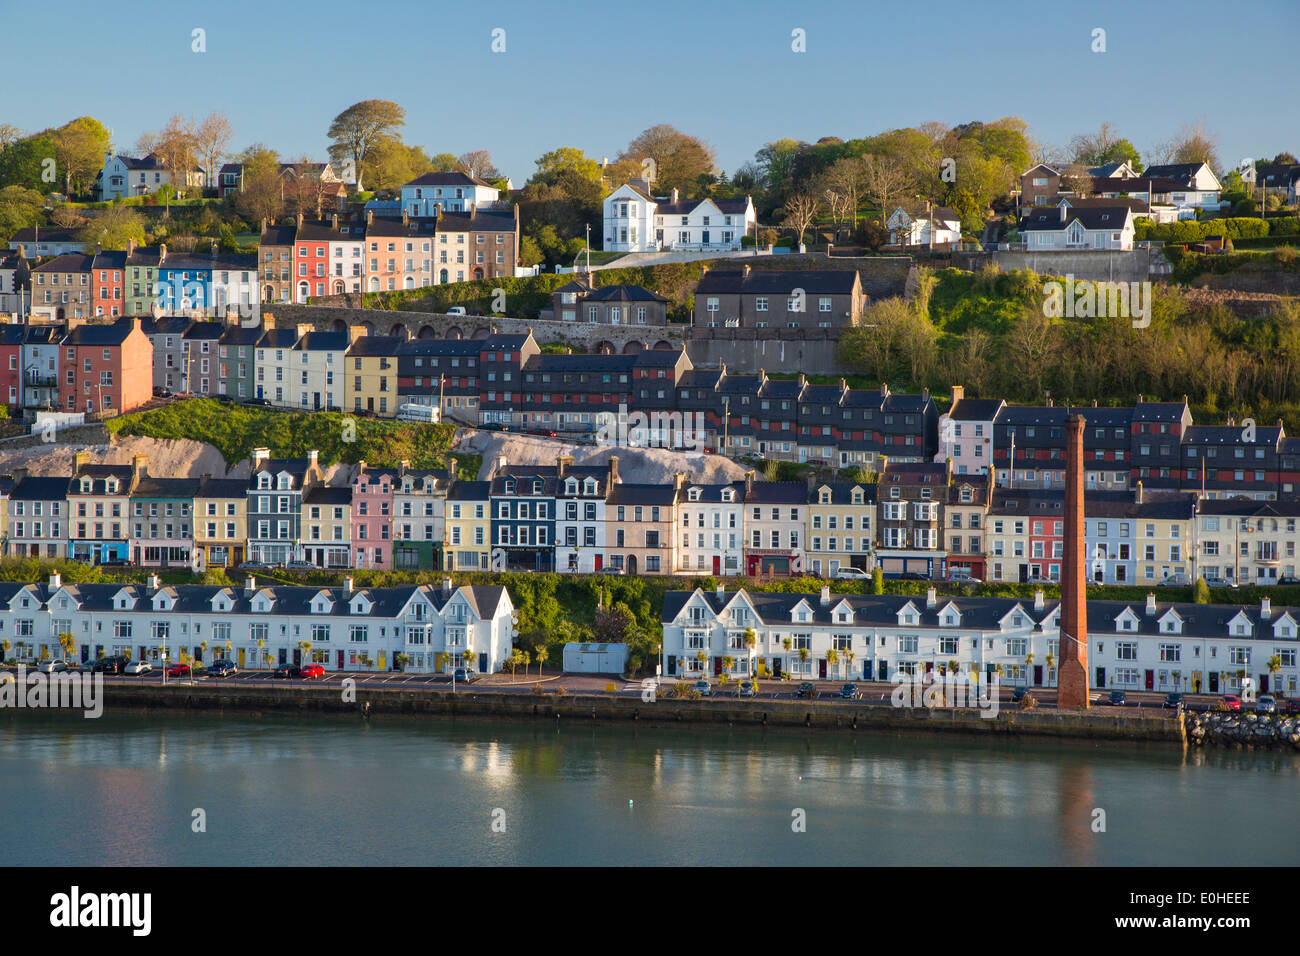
(712, 529)
(1194, 186)
(636, 221)
(1159, 647)
(416, 628)
(127, 176)
(924, 225)
(1068, 228)
(580, 497)
(431, 193)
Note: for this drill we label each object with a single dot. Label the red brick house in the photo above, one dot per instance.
(107, 296)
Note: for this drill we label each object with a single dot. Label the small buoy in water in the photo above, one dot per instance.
(629, 803)
(801, 778)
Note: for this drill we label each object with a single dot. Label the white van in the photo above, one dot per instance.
(411, 412)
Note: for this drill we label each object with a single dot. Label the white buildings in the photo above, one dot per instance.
(315, 368)
(1065, 228)
(1203, 648)
(924, 225)
(432, 193)
(712, 523)
(127, 176)
(416, 628)
(580, 496)
(635, 221)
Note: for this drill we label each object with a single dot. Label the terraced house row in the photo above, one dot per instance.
(415, 628)
(917, 518)
(1201, 648)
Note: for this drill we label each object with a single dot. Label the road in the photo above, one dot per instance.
(875, 693)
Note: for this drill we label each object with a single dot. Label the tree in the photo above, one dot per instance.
(1028, 345)
(260, 196)
(20, 208)
(883, 178)
(846, 178)
(393, 162)
(24, 163)
(1195, 144)
(565, 159)
(79, 148)
(478, 163)
(679, 159)
(175, 148)
(799, 212)
(355, 131)
(210, 141)
(541, 653)
(68, 641)
(877, 581)
(1201, 592)
(114, 228)
(1104, 147)
(833, 658)
(9, 134)
(66, 216)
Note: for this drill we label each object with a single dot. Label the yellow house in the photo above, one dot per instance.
(220, 522)
(839, 530)
(1164, 528)
(468, 522)
(371, 378)
(327, 527)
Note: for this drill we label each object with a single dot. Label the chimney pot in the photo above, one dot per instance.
(1151, 604)
(1265, 608)
(826, 594)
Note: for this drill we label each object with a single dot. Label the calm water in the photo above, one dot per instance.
(121, 789)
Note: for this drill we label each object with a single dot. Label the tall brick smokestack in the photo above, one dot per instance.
(1072, 682)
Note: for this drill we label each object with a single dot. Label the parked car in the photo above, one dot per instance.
(1172, 700)
(746, 689)
(856, 574)
(222, 668)
(160, 392)
(288, 670)
(113, 664)
(456, 310)
(703, 687)
(254, 566)
(849, 692)
(462, 675)
(1176, 581)
(1231, 702)
(139, 668)
(1118, 698)
(1291, 705)
(256, 401)
(311, 671)
(53, 667)
(178, 669)
(1289, 580)
(1265, 704)
(962, 576)
(806, 689)
(1213, 581)
(1018, 694)
(224, 399)
(300, 566)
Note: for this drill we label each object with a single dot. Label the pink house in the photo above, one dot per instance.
(372, 517)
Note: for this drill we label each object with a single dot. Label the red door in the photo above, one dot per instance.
(821, 668)
(717, 565)
(340, 665)
(752, 566)
(717, 667)
(1151, 680)
(600, 562)
(1038, 675)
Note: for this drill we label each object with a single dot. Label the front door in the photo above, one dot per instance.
(631, 564)
(704, 237)
(821, 668)
(1214, 682)
(1038, 675)
(297, 656)
(717, 667)
(315, 399)
(241, 659)
(1151, 680)
(717, 565)
(600, 562)
(1101, 677)
(381, 661)
(339, 663)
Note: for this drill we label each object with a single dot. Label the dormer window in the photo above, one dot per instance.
(284, 483)
(590, 487)
(571, 487)
(693, 494)
(510, 486)
(264, 481)
(85, 486)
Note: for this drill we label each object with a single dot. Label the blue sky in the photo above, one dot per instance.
(593, 75)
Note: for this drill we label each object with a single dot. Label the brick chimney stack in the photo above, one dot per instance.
(1072, 682)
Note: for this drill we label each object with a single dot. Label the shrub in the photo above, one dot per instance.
(1028, 702)
(561, 691)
